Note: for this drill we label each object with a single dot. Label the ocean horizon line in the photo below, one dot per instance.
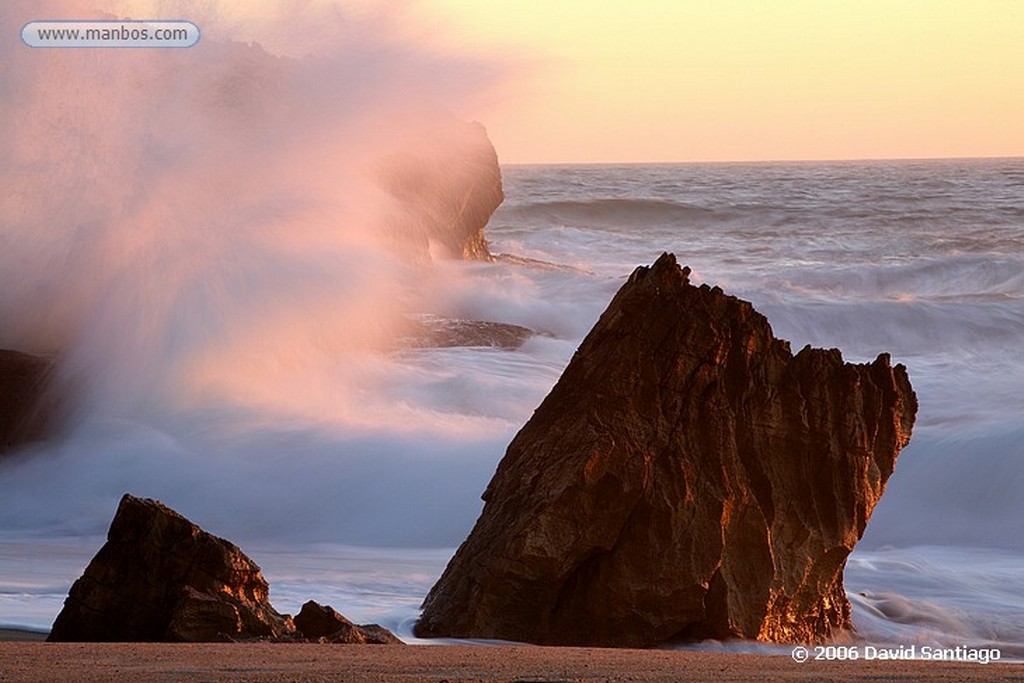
(755, 162)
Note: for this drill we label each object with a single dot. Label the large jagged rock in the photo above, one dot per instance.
(161, 578)
(448, 181)
(687, 477)
(27, 412)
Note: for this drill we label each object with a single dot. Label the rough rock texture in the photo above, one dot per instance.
(317, 622)
(686, 477)
(26, 413)
(161, 578)
(448, 183)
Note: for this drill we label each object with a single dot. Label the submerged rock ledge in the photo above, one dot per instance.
(434, 332)
(687, 477)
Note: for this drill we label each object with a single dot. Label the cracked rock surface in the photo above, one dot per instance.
(687, 477)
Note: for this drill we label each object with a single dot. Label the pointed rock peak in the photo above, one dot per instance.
(666, 269)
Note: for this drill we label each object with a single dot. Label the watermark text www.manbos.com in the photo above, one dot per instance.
(869, 653)
(125, 33)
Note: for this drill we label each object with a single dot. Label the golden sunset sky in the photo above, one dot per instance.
(717, 80)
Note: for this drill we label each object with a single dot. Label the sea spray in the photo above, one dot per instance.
(207, 241)
(161, 206)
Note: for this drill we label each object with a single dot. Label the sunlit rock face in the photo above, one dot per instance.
(161, 578)
(687, 477)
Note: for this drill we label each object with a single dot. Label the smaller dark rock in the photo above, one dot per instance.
(321, 622)
(316, 621)
(160, 577)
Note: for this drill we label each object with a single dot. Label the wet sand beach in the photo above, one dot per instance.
(159, 663)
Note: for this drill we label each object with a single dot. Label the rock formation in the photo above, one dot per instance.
(320, 622)
(448, 183)
(161, 578)
(26, 413)
(687, 477)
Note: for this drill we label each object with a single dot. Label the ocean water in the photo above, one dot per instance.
(361, 507)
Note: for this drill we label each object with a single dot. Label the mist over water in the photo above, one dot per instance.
(204, 241)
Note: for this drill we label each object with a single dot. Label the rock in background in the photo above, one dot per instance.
(448, 183)
(687, 477)
(26, 411)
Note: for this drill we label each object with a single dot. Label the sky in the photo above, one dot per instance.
(731, 80)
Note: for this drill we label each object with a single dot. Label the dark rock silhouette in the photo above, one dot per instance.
(687, 477)
(321, 622)
(27, 412)
(161, 578)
